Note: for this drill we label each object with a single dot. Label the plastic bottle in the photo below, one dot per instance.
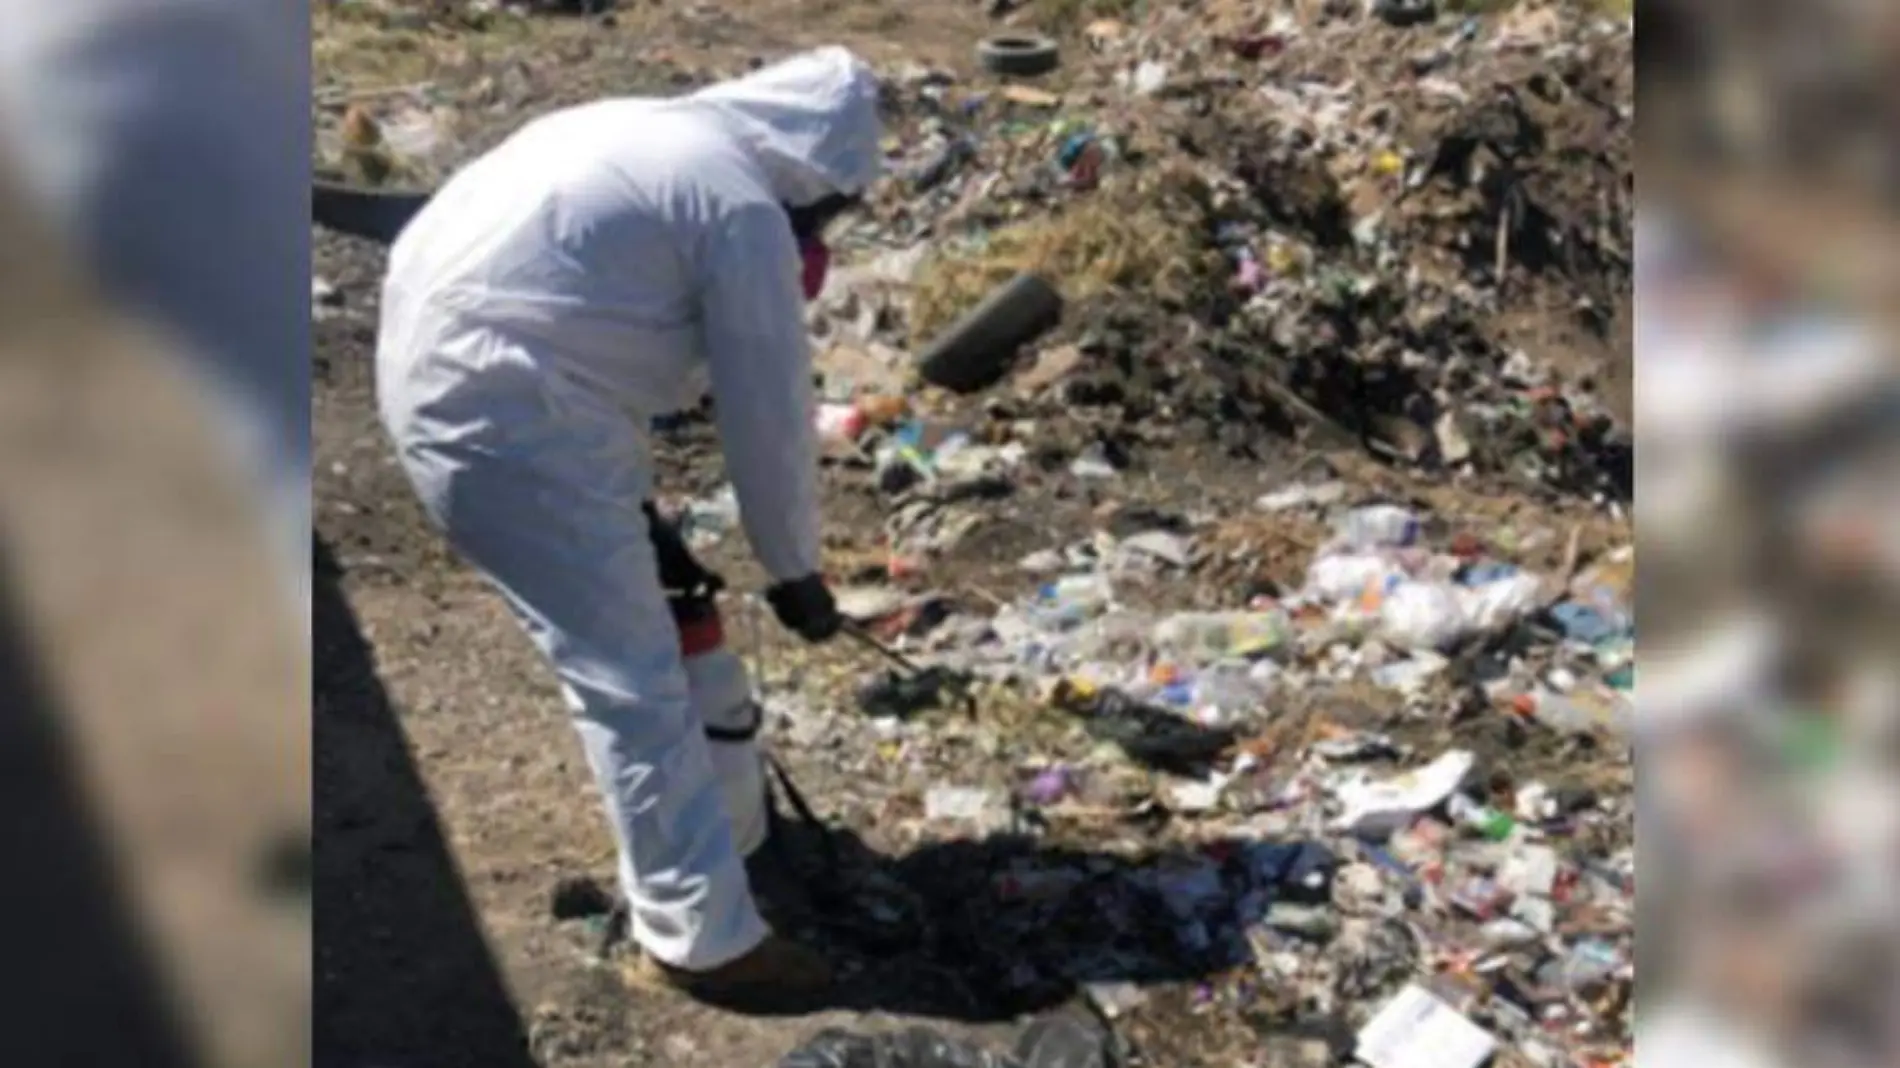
(1344, 576)
(1377, 526)
(1070, 601)
(1588, 962)
(1487, 821)
(839, 424)
(710, 518)
(1207, 636)
(1422, 615)
(1490, 607)
(1233, 687)
(1559, 712)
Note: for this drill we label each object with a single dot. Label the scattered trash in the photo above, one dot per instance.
(1583, 623)
(1171, 549)
(1116, 999)
(1411, 674)
(1146, 734)
(901, 695)
(1149, 78)
(1302, 496)
(1416, 1029)
(1049, 786)
(1376, 527)
(705, 522)
(1376, 809)
(1221, 635)
(1018, 55)
(960, 803)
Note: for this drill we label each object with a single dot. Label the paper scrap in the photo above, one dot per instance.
(1418, 1030)
(1384, 807)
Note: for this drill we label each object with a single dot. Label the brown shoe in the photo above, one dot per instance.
(778, 977)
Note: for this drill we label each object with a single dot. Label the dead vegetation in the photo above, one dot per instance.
(1124, 240)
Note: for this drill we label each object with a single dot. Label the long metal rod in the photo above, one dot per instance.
(872, 642)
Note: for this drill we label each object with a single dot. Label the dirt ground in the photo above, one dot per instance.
(451, 794)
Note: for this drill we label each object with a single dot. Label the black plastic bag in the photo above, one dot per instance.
(1151, 736)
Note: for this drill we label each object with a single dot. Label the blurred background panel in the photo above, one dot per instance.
(154, 679)
(1768, 410)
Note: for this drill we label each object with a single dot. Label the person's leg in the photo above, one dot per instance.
(559, 532)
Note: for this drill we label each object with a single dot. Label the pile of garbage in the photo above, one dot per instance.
(1386, 234)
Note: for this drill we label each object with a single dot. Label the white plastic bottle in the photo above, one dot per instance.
(1072, 600)
(1560, 712)
(1377, 526)
(1234, 687)
(720, 690)
(1201, 637)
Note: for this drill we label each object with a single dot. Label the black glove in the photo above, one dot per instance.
(805, 606)
(680, 572)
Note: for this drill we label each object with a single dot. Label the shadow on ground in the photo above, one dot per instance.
(403, 972)
(91, 991)
(990, 930)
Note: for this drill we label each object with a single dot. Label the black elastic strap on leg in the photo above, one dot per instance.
(740, 734)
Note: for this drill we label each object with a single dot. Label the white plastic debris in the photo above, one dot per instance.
(1375, 807)
(1343, 576)
(1092, 465)
(1418, 1030)
(1171, 549)
(1530, 869)
(1114, 999)
(864, 603)
(959, 803)
(1376, 526)
(1411, 674)
(1301, 495)
(1149, 77)
(1042, 562)
(1422, 615)
(1493, 606)
(1193, 797)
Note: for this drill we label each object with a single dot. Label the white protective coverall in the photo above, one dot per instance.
(601, 267)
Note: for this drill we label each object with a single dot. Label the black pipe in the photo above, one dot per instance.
(374, 214)
(976, 351)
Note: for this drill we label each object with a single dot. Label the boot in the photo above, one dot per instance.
(778, 977)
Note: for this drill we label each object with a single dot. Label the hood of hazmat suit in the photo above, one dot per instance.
(601, 267)
(812, 121)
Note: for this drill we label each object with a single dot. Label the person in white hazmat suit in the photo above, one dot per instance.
(605, 265)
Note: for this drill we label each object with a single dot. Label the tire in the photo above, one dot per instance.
(374, 214)
(977, 350)
(1018, 54)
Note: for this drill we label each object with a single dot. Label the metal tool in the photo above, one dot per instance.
(952, 684)
(872, 642)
